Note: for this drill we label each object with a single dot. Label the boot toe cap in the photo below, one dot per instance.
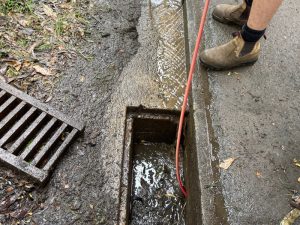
(220, 11)
(207, 59)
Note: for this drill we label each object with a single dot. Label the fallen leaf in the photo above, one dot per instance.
(49, 11)
(299, 179)
(26, 64)
(169, 195)
(227, 163)
(30, 195)
(15, 64)
(43, 71)
(258, 174)
(91, 206)
(29, 187)
(65, 6)
(9, 189)
(296, 162)
(82, 78)
(23, 22)
(49, 99)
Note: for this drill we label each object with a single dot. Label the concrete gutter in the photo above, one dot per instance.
(201, 124)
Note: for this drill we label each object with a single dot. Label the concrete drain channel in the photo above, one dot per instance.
(32, 135)
(149, 191)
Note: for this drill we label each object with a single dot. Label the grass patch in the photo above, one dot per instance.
(19, 6)
(59, 26)
(44, 47)
(23, 43)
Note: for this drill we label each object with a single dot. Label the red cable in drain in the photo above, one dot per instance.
(186, 94)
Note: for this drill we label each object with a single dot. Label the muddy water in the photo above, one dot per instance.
(167, 19)
(156, 198)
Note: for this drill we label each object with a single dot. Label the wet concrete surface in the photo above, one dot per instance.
(251, 114)
(126, 68)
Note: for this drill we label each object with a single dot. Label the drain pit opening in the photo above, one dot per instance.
(149, 176)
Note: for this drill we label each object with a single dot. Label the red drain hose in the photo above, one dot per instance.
(186, 94)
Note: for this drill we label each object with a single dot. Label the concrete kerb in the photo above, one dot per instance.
(199, 121)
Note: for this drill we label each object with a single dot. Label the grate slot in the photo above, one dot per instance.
(2, 94)
(40, 156)
(9, 118)
(59, 151)
(29, 131)
(16, 127)
(7, 105)
(38, 139)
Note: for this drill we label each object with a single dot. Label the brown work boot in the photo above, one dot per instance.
(232, 14)
(235, 53)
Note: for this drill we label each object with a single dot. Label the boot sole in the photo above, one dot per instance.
(225, 21)
(226, 68)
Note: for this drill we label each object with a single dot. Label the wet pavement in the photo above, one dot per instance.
(251, 114)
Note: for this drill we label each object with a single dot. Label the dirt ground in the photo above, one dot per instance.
(75, 193)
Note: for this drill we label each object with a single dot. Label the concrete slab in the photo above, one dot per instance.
(251, 114)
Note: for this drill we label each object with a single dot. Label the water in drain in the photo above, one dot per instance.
(156, 198)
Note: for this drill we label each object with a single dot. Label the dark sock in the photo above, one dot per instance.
(250, 35)
(246, 13)
(249, 2)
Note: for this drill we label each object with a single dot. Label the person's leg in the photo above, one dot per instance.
(262, 11)
(244, 48)
(259, 19)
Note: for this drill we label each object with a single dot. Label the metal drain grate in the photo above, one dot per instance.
(32, 135)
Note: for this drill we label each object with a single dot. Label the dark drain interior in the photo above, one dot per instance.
(150, 193)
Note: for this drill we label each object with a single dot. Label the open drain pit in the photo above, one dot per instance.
(150, 193)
